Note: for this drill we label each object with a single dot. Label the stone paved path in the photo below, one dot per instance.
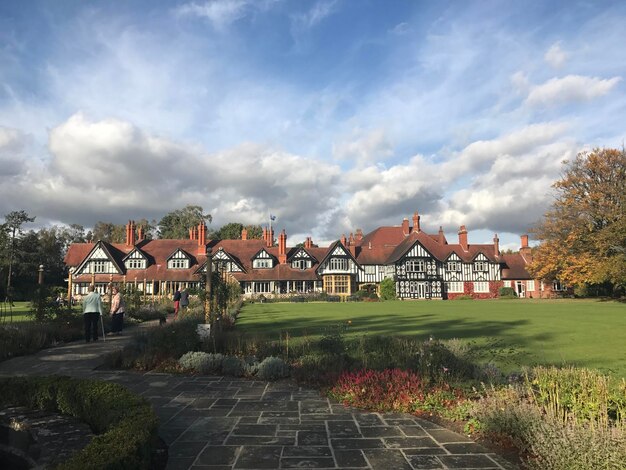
(225, 423)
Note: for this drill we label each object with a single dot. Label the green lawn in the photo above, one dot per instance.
(586, 333)
(20, 310)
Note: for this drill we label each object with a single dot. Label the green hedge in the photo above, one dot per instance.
(124, 423)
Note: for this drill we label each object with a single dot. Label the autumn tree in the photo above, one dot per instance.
(109, 232)
(583, 235)
(176, 224)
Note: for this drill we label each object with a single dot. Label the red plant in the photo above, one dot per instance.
(386, 390)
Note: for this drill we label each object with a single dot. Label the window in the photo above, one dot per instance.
(454, 265)
(262, 287)
(370, 269)
(338, 264)
(262, 263)
(135, 264)
(301, 264)
(506, 284)
(341, 285)
(337, 284)
(557, 286)
(98, 266)
(530, 285)
(481, 287)
(178, 263)
(480, 266)
(415, 266)
(455, 287)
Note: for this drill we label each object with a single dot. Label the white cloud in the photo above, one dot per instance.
(555, 56)
(364, 147)
(314, 16)
(572, 88)
(220, 13)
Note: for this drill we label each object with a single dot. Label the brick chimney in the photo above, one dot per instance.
(270, 237)
(463, 238)
(201, 239)
(359, 235)
(525, 250)
(308, 243)
(351, 239)
(416, 222)
(191, 234)
(496, 246)
(130, 233)
(244, 233)
(282, 247)
(442, 237)
(405, 226)
(343, 240)
(140, 234)
(265, 235)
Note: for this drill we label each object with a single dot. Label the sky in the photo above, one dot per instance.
(331, 115)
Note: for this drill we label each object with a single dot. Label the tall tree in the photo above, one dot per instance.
(109, 232)
(232, 231)
(583, 235)
(176, 224)
(13, 222)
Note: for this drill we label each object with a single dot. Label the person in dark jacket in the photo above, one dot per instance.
(184, 298)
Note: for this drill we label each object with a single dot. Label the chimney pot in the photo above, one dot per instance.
(496, 245)
(405, 226)
(463, 238)
(416, 222)
(244, 234)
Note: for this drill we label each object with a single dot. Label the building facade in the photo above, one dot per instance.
(423, 266)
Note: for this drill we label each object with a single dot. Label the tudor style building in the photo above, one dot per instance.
(423, 266)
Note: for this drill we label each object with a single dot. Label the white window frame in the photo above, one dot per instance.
(481, 287)
(262, 264)
(455, 287)
(415, 266)
(481, 266)
(135, 263)
(506, 284)
(530, 285)
(99, 266)
(300, 264)
(453, 266)
(178, 263)
(338, 264)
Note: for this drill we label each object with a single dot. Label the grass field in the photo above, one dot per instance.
(20, 310)
(585, 333)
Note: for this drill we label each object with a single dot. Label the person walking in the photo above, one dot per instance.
(117, 312)
(176, 302)
(184, 298)
(92, 309)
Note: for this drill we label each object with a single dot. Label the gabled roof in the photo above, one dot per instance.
(135, 250)
(515, 267)
(331, 249)
(114, 255)
(179, 250)
(294, 251)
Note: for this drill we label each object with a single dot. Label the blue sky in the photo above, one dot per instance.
(334, 115)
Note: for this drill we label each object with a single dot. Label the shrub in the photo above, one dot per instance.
(27, 338)
(507, 293)
(202, 362)
(233, 365)
(333, 341)
(272, 368)
(387, 289)
(125, 424)
(318, 369)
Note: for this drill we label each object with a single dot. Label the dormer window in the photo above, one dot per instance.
(480, 266)
(178, 263)
(262, 263)
(98, 267)
(135, 264)
(454, 266)
(301, 264)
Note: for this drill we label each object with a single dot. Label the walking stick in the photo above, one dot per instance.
(104, 338)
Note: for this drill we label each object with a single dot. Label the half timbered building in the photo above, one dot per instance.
(423, 266)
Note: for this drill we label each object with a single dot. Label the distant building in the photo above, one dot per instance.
(423, 266)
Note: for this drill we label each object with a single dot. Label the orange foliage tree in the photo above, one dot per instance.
(583, 235)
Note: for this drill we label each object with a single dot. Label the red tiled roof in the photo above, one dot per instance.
(515, 267)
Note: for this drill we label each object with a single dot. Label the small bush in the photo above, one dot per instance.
(202, 362)
(272, 368)
(507, 293)
(387, 289)
(235, 366)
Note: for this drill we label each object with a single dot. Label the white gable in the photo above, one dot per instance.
(98, 253)
(418, 251)
(263, 255)
(339, 251)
